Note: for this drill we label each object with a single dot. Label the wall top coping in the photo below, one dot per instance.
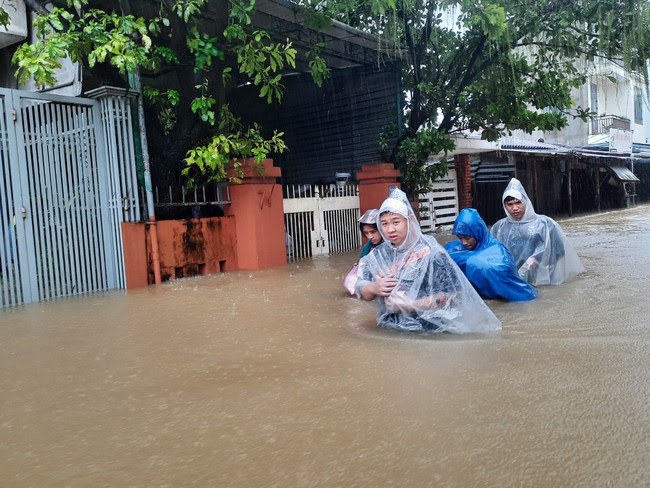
(251, 171)
(110, 91)
(378, 171)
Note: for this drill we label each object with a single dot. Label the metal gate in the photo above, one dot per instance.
(58, 198)
(321, 220)
(439, 206)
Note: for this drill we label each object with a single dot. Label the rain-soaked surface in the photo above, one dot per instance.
(277, 378)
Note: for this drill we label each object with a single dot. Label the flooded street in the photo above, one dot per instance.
(277, 378)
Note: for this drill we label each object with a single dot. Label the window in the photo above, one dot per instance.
(638, 106)
(594, 98)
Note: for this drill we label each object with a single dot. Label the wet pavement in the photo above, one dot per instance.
(277, 378)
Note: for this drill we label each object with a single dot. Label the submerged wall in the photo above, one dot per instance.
(187, 248)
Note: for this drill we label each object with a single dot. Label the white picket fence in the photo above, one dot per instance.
(321, 219)
(440, 206)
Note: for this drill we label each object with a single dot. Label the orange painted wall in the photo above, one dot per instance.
(250, 236)
(260, 225)
(375, 181)
(186, 248)
(196, 246)
(256, 204)
(136, 261)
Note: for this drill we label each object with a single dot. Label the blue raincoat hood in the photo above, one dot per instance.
(489, 266)
(469, 223)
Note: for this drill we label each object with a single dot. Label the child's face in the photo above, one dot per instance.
(395, 227)
(372, 234)
(468, 242)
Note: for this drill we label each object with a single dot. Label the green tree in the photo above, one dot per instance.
(191, 54)
(490, 65)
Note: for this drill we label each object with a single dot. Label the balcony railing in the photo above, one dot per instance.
(602, 124)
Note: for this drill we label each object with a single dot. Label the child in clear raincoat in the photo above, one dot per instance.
(414, 283)
(368, 227)
(486, 262)
(543, 254)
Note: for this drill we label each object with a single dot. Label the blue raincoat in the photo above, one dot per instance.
(489, 266)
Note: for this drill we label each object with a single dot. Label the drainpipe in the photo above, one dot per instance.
(136, 84)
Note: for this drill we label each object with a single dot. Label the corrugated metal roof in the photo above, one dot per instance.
(623, 174)
(526, 145)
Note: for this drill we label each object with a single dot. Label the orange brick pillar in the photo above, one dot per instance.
(374, 183)
(256, 204)
(463, 165)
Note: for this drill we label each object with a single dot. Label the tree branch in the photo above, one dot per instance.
(448, 119)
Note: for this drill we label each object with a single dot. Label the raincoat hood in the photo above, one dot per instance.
(516, 190)
(397, 202)
(489, 267)
(543, 255)
(469, 223)
(369, 217)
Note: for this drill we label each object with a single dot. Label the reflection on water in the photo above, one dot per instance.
(277, 378)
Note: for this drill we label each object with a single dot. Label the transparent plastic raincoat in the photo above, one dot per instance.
(431, 294)
(369, 217)
(489, 266)
(543, 254)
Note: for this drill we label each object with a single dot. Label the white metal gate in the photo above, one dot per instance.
(321, 220)
(440, 206)
(58, 198)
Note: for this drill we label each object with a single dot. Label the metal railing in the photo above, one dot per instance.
(349, 189)
(181, 196)
(602, 124)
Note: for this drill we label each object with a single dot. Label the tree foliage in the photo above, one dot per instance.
(491, 65)
(192, 54)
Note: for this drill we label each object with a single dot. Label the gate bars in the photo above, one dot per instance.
(321, 220)
(11, 291)
(63, 191)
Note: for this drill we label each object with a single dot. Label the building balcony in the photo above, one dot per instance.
(602, 124)
(16, 30)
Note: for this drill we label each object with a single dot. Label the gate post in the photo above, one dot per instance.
(375, 181)
(256, 204)
(463, 166)
(118, 173)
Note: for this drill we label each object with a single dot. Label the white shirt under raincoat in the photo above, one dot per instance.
(432, 294)
(543, 254)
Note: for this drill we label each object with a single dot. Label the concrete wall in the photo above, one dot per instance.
(187, 248)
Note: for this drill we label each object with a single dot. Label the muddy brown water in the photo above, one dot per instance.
(277, 378)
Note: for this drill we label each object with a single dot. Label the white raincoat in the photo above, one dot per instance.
(432, 293)
(543, 254)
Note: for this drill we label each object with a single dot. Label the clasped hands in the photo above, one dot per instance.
(397, 301)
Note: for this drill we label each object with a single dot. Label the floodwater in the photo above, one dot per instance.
(276, 378)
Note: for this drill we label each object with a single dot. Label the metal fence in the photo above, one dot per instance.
(10, 279)
(62, 195)
(217, 193)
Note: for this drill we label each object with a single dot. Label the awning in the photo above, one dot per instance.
(623, 174)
